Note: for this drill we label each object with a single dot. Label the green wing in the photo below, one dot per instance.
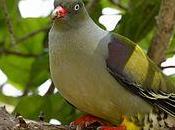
(128, 59)
(128, 64)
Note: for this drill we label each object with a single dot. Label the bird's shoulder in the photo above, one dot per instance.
(131, 67)
(128, 60)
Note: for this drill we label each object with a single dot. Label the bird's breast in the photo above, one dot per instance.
(79, 72)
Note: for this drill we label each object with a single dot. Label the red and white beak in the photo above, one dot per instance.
(59, 12)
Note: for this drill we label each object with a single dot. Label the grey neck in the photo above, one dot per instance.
(85, 37)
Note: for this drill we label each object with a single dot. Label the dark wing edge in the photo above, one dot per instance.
(160, 99)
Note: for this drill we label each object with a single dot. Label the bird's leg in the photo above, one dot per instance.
(87, 121)
(122, 127)
(92, 122)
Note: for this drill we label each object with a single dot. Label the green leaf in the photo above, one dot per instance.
(39, 71)
(171, 49)
(139, 20)
(146, 41)
(21, 71)
(32, 44)
(172, 79)
(17, 69)
(53, 106)
(8, 99)
(25, 72)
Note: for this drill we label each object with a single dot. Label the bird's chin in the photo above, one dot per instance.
(57, 18)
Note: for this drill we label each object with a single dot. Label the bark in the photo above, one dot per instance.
(165, 26)
(10, 122)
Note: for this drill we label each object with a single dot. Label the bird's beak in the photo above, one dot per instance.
(59, 12)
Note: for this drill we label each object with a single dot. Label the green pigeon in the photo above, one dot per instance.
(103, 73)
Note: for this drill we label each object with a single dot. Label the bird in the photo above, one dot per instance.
(104, 73)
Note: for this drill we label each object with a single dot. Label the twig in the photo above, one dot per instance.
(25, 91)
(165, 27)
(29, 35)
(8, 52)
(166, 67)
(9, 122)
(8, 22)
(20, 54)
(50, 90)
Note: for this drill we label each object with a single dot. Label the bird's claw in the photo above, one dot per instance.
(122, 127)
(89, 122)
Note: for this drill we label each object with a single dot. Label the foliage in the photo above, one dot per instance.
(26, 62)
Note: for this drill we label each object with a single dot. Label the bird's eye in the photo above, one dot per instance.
(77, 7)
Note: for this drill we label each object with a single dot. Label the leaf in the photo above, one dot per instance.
(171, 49)
(53, 106)
(17, 69)
(146, 41)
(172, 79)
(12, 10)
(28, 72)
(25, 72)
(139, 20)
(8, 99)
(35, 43)
(39, 71)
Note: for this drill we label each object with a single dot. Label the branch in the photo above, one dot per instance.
(19, 54)
(10, 27)
(9, 122)
(8, 52)
(165, 27)
(29, 35)
(166, 67)
(8, 22)
(50, 90)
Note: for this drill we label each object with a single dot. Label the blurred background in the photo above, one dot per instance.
(25, 84)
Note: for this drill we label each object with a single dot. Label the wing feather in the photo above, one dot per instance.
(118, 57)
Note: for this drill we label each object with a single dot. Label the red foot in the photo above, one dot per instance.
(111, 128)
(90, 121)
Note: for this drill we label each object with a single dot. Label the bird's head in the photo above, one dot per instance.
(69, 12)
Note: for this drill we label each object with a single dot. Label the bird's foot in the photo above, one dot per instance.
(89, 122)
(122, 127)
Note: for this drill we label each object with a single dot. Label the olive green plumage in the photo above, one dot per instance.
(137, 67)
(102, 73)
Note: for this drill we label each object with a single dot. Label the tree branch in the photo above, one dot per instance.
(166, 67)
(8, 22)
(9, 122)
(165, 27)
(50, 90)
(29, 35)
(8, 52)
